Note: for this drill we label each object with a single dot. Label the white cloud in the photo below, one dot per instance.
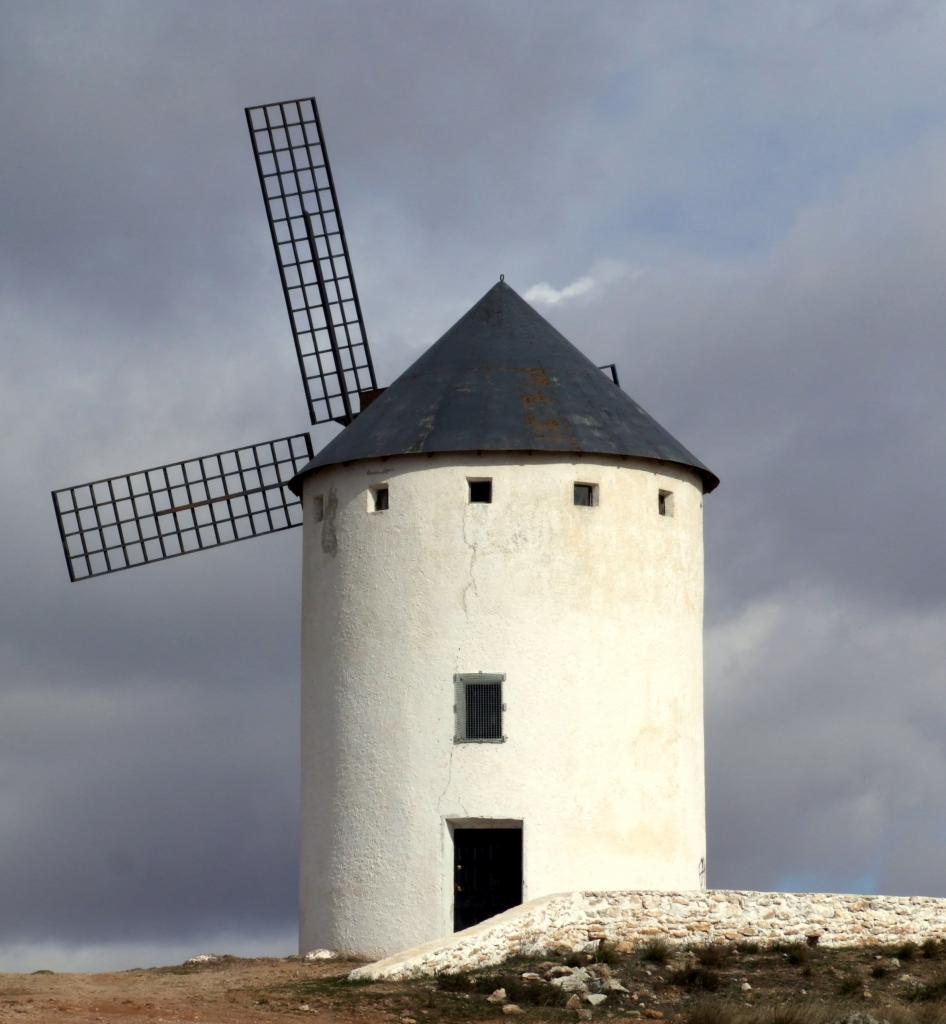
(602, 274)
(543, 294)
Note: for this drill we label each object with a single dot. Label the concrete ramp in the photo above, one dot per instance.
(524, 929)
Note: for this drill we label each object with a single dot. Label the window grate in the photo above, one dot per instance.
(479, 708)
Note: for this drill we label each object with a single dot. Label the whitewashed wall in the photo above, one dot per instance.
(570, 921)
(595, 617)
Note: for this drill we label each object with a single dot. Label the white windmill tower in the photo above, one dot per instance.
(502, 685)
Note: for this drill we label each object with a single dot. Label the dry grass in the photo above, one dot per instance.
(806, 1012)
(712, 954)
(656, 951)
(706, 984)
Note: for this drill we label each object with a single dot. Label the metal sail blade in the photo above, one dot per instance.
(611, 369)
(319, 288)
(171, 510)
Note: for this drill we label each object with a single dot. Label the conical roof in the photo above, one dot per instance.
(503, 379)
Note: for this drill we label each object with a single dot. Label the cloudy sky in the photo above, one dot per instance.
(741, 204)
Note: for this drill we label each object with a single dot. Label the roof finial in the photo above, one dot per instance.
(502, 277)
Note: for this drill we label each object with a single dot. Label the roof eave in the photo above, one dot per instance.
(710, 480)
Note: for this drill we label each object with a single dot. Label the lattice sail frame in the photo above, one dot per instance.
(166, 511)
(611, 369)
(321, 297)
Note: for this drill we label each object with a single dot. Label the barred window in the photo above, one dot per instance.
(479, 708)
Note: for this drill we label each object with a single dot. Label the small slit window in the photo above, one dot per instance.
(318, 508)
(379, 499)
(665, 503)
(479, 708)
(481, 492)
(586, 494)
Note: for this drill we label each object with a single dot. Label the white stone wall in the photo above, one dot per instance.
(594, 615)
(570, 921)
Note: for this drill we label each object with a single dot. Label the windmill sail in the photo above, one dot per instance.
(123, 521)
(319, 288)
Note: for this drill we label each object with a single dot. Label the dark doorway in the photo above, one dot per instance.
(487, 873)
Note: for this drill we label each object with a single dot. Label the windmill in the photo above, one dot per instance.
(210, 500)
(206, 501)
(502, 597)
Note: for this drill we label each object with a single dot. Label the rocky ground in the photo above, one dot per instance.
(743, 984)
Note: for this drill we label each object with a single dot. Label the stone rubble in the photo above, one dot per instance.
(321, 954)
(576, 981)
(205, 958)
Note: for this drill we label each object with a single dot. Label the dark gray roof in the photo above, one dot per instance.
(502, 379)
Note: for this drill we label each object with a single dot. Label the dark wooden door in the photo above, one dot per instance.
(487, 873)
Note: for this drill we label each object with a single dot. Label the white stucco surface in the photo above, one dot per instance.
(594, 616)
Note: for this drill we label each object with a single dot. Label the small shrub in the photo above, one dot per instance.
(932, 990)
(928, 1013)
(790, 1013)
(526, 993)
(698, 978)
(487, 983)
(455, 983)
(656, 951)
(713, 954)
(607, 953)
(907, 951)
(711, 1012)
(849, 985)
(797, 952)
(751, 948)
(517, 990)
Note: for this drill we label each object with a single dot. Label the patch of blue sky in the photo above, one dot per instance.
(831, 881)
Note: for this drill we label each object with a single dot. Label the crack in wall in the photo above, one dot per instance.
(453, 750)
(471, 583)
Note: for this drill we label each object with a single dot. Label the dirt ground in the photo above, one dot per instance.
(706, 985)
(233, 992)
